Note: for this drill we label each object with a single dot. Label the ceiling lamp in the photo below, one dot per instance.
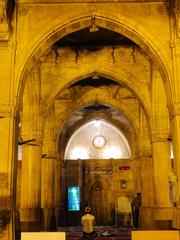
(93, 27)
(95, 76)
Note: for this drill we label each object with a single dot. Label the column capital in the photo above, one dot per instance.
(145, 151)
(174, 109)
(175, 44)
(50, 140)
(8, 110)
(31, 138)
(159, 136)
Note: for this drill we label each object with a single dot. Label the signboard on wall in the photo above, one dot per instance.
(124, 168)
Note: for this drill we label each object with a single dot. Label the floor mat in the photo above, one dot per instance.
(118, 233)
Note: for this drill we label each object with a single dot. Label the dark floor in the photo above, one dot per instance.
(118, 233)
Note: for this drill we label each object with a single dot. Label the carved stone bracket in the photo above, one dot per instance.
(177, 16)
(4, 23)
(174, 109)
(8, 110)
(159, 136)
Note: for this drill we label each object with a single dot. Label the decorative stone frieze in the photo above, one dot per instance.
(177, 16)
(174, 109)
(6, 11)
(8, 110)
(4, 26)
(145, 151)
(98, 171)
(159, 136)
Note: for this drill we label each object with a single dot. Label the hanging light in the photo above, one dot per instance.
(95, 76)
(79, 153)
(93, 27)
(112, 152)
(97, 123)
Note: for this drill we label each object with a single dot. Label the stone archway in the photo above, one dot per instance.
(135, 32)
(118, 76)
(65, 81)
(89, 99)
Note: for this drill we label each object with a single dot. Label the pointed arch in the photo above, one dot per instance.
(123, 25)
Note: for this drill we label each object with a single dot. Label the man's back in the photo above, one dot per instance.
(88, 223)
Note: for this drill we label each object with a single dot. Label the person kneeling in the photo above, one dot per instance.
(88, 221)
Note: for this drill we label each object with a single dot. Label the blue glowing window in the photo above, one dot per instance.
(73, 199)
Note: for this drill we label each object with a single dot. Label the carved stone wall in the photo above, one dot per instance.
(103, 181)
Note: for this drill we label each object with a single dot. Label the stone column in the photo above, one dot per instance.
(31, 155)
(8, 153)
(160, 132)
(47, 191)
(161, 166)
(48, 173)
(147, 191)
(174, 108)
(59, 191)
(30, 184)
(144, 171)
(175, 122)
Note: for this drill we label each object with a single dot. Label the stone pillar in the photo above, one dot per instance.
(161, 167)
(8, 153)
(174, 109)
(47, 191)
(59, 191)
(30, 184)
(175, 122)
(48, 173)
(160, 131)
(144, 172)
(147, 191)
(31, 140)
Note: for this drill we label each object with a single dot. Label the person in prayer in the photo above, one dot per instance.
(88, 221)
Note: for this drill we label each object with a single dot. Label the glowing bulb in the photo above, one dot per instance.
(93, 28)
(79, 153)
(97, 123)
(112, 152)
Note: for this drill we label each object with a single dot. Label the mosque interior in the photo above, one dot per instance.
(89, 112)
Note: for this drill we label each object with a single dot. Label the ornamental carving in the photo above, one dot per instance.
(3, 19)
(177, 16)
(98, 171)
(6, 10)
(23, 10)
